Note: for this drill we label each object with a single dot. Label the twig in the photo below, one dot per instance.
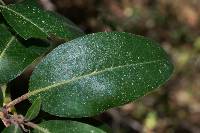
(18, 100)
(20, 121)
(5, 116)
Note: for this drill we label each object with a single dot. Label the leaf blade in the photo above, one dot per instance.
(40, 24)
(56, 126)
(15, 56)
(34, 110)
(96, 72)
(12, 129)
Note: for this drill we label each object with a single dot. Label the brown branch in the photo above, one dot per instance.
(5, 116)
(18, 100)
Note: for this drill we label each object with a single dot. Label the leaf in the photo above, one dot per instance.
(34, 110)
(56, 126)
(29, 21)
(12, 129)
(93, 73)
(14, 56)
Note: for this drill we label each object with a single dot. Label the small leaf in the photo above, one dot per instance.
(12, 129)
(34, 110)
(93, 73)
(14, 56)
(56, 126)
(28, 20)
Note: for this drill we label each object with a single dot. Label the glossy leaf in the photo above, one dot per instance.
(56, 126)
(34, 110)
(91, 74)
(14, 56)
(29, 21)
(12, 129)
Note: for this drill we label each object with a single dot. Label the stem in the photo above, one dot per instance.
(18, 100)
(5, 116)
(35, 126)
(1, 1)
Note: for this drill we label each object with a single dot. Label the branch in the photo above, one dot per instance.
(18, 100)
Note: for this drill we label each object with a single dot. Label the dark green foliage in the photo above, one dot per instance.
(12, 129)
(14, 55)
(34, 110)
(31, 21)
(83, 77)
(93, 73)
(55, 126)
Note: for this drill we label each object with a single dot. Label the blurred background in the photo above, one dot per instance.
(175, 24)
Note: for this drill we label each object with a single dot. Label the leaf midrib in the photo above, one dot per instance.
(41, 129)
(27, 19)
(40, 28)
(7, 46)
(16, 129)
(36, 91)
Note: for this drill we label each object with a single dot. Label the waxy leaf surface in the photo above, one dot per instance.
(93, 73)
(14, 56)
(29, 21)
(56, 126)
(12, 129)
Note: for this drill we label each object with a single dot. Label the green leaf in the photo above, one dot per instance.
(12, 129)
(93, 73)
(15, 56)
(56, 126)
(34, 110)
(29, 21)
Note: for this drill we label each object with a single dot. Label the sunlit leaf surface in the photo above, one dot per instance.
(93, 73)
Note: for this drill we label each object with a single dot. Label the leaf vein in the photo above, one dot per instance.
(16, 129)
(27, 19)
(7, 46)
(36, 91)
